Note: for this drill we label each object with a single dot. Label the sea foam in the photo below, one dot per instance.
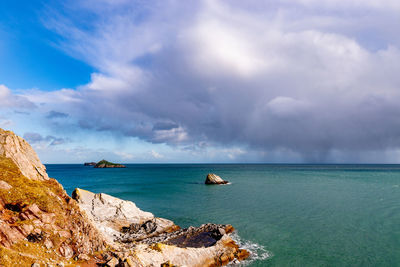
(257, 251)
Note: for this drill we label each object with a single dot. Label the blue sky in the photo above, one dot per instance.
(29, 48)
(203, 81)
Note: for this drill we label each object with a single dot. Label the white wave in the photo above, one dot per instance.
(257, 251)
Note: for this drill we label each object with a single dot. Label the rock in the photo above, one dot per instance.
(111, 215)
(48, 244)
(4, 186)
(36, 209)
(66, 251)
(83, 257)
(106, 164)
(35, 264)
(89, 164)
(113, 262)
(214, 179)
(23, 155)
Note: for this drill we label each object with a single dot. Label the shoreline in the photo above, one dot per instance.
(41, 224)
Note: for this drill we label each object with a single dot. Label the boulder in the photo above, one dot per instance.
(214, 179)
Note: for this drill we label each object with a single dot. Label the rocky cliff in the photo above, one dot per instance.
(40, 224)
(23, 155)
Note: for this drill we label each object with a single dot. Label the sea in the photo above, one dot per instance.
(284, 214)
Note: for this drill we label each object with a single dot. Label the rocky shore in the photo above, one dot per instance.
(40, 225)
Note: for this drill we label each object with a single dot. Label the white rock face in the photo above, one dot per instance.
(23, 155)
(108, 213)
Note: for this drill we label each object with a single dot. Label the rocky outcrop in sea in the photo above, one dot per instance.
(214, 179)
(40, 225)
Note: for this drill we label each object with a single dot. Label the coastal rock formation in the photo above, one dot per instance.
(39, 222)
(106, 164)
(22, 154)
(144, 240)
(214, 179)
(111, 214)
(40, 225)
(90, 164)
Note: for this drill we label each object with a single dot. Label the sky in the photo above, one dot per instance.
(228, 81)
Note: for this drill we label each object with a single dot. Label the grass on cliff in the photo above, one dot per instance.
(27, 191)
(48, 195)
(106, 163)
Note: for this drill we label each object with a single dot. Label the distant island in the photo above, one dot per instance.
(106, 164)
(90, 164)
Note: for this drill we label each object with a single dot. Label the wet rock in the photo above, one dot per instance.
(214, 179)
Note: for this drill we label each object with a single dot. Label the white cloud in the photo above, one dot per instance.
(10, 100)
(156, 155)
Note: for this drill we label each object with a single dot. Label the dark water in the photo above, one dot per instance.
(288, 215)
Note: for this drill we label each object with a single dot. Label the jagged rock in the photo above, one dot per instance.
(23, 155)
(157, 240)
(35, 210)
(4, 186)
(214, 179)
(111, 214)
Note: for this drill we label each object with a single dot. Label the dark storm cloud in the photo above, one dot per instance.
(270, 78)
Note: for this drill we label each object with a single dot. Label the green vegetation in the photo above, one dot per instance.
(105, 162)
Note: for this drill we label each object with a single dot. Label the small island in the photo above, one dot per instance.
(89, 164)
(106, 164)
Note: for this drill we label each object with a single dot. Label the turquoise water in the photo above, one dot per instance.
(287, 215)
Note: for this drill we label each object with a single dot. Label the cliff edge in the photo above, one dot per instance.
(40, 225)
(22, 154)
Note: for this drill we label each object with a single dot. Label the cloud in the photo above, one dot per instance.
(156, 155)
(36, 138)
(10, 100)
(55, 114)
(271, 78)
